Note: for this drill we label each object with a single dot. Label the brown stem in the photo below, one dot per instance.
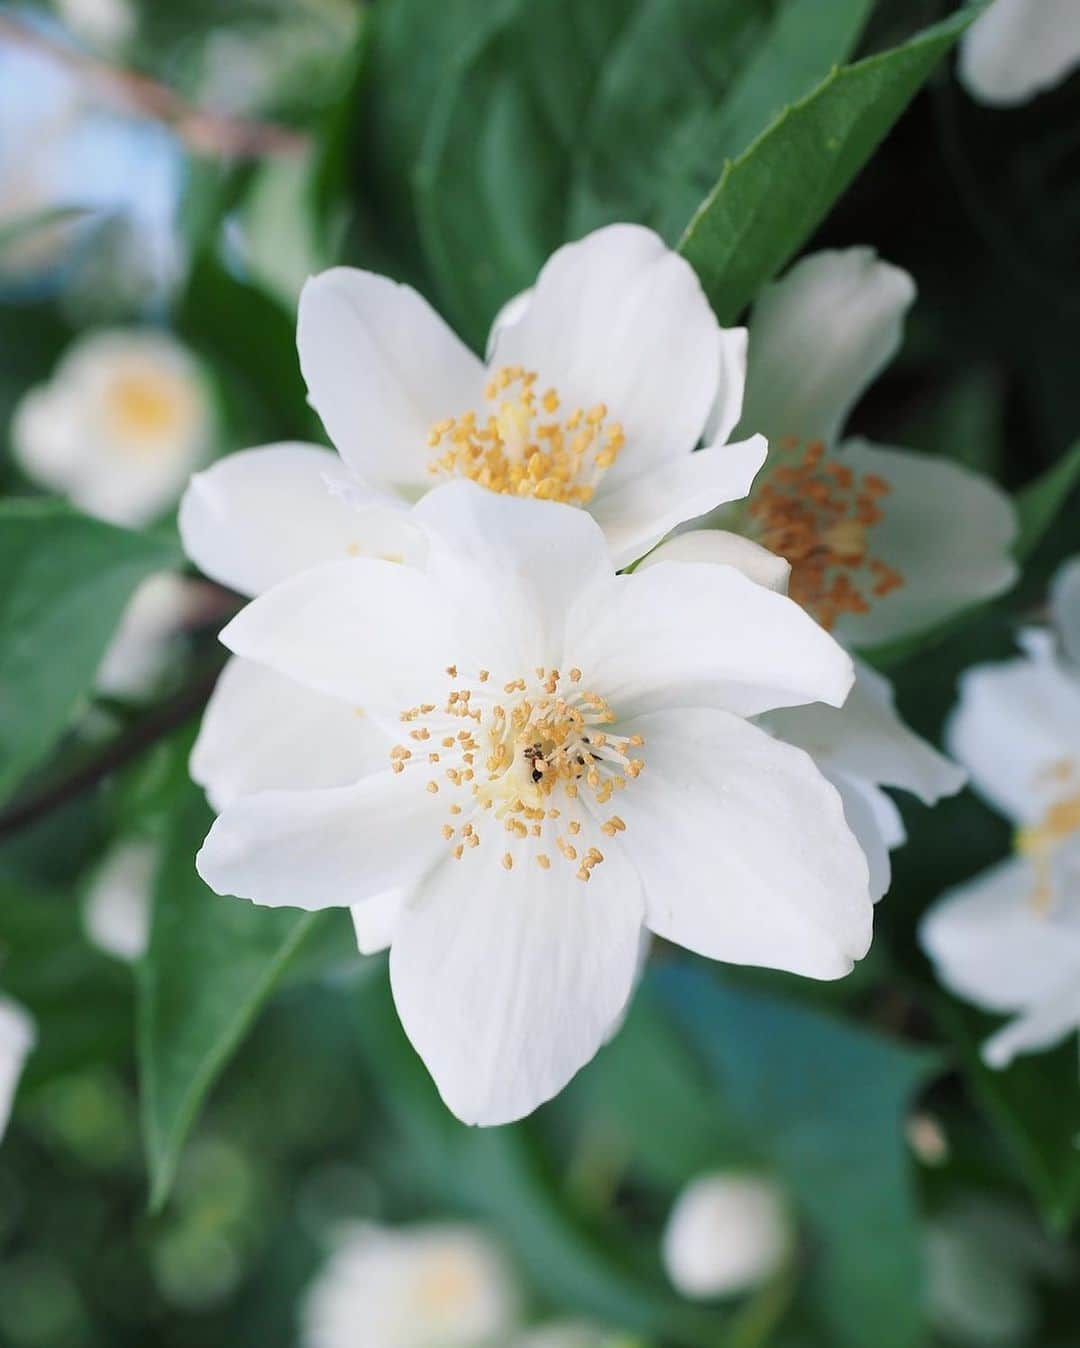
(203, 130)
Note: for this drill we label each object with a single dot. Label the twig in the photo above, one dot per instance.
(120, 751)
(203, 130)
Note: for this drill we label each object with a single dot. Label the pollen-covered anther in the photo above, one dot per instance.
(1039, 843)
(819, 514)
(527, 445)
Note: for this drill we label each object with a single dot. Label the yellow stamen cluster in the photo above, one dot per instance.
(818, 514)
(525, 446)
(1039, 842)
(525, 757)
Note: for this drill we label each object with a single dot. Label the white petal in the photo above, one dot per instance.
(993, 945)
(731, 387)
(116, 910)
(382, 368)
(17, 1037)
(618, 318)
(372, 633)
(262, 731)
(143, 644)
(724, 549)
(866, 738)
(871, 817)
(45, 438)
(727, 1232)
(507, 982)
(512, 312)
(1015, 724)
(947, 530)
(1041, 1027)
(1065, 608)
(818, 338)
(375, 920)
(255, 517)
(1018, 48)
(695, 634)
(324, 849)
(743, 847)
(637, 512)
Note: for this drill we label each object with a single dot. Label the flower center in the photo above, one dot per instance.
(819, 515)
(525, 445)
(531, 758)
(1039, 842)
(144, 406)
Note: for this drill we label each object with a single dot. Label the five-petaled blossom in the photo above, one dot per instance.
(574, 764)
(1009, 940)
(882, 542)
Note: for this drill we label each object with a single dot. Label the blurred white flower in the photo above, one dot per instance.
(1019, 48)
(429, 1286)
(861, 746)
(106, 24)
(727, 1232)
(561, 725)
(116, 908)
(595, 395)
(1009, 940)
(571, 1334)
(882, 542)
(145, 641)
(17, 1038)
(125, 418)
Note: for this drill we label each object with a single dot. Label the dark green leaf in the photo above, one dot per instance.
(769, 200)
(64, 582)
(211, 964)
(1038, 504)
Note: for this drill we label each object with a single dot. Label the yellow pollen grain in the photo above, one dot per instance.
(543, 861)
(508, 862)
(433, 787)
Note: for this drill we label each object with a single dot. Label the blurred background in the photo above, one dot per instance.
(183, 167)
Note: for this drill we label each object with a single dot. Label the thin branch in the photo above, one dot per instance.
(116, 754)
(202, 129)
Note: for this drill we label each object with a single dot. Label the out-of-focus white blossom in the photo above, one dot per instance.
(429, 1286)
(119, 428)
(108, 25)
(142, 646)
(1019, 48)
(727, 1233)
(17, 1038)
(116, 908)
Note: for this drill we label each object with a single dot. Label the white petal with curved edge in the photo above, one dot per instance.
(731, 386)
(507, 982)
(512, 312)
(695, 634)
(1065, 608)
(372, 633)
(375, 921)
(866, 738)
(262, 731)
(17, 1037)
(1015, 726)
(325, 849)
(636, 513)
(947, 530)
(1018, 48)
(258, 516)
(864, 814)
(728, 1232)
(382, 368)
(618, 318)
(723, 548)
(1041, 1027)
(743, 847)
(818, 338)
(993, 945)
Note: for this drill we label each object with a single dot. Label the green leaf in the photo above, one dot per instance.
(64, 582)
(823, 1104)
(771, 198)
(211, 964)
(1039, 504)
(558, 117)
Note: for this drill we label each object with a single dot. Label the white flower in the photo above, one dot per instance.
(116, 909)
(1009, 940)
(557, 724)
(433, 1286)
(861, 746)
(1019, 48)
(727, 1233)
(142, 646)
(108, 24)
(882, 542)
(119, 427)
(17, 1038)
(595, 396)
